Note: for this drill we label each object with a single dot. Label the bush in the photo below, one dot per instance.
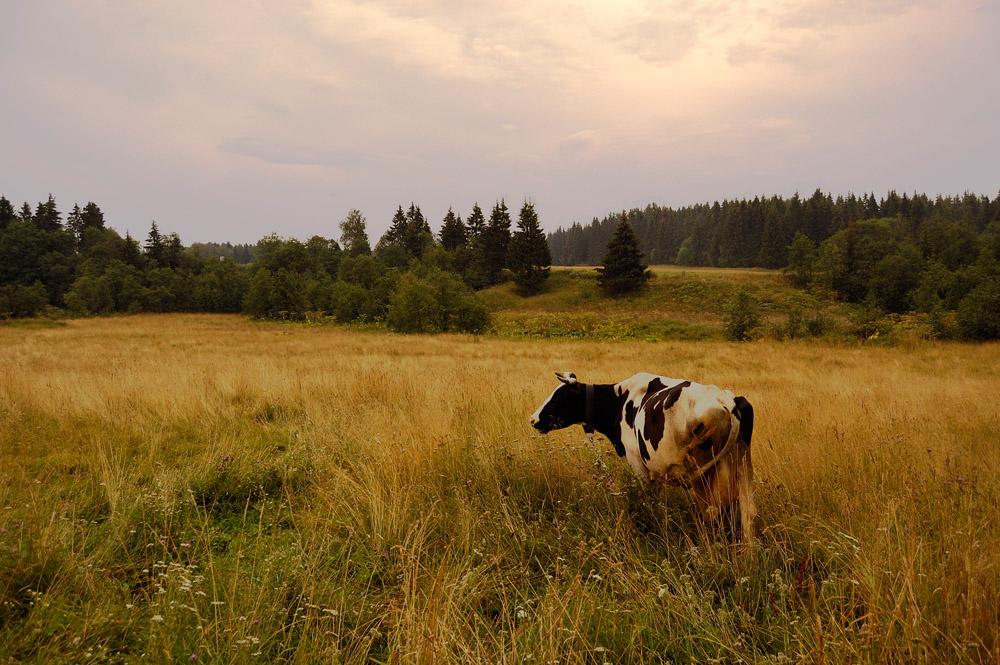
(21, 301)
(978, 314)
(436, 302)
(742, 316)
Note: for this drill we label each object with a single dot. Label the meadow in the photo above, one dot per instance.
(200, 488)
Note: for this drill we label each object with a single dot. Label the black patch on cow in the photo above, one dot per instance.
(744, 411)
(630, 412)
(564, 408)
(652, 388)
(642, 447)
(608, 415)
(655, 409)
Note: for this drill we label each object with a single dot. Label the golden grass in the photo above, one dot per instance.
(204, 485)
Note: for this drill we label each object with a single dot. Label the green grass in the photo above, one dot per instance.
(678, 303)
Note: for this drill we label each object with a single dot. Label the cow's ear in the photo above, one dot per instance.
(745, 410)
(566, 377)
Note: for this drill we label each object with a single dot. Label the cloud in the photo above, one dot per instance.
(292, 154)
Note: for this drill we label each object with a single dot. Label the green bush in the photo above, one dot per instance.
(978, 314)
(435, 302)
(742, 316)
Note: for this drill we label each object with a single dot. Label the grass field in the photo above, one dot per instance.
(209, 489)
(679, 303)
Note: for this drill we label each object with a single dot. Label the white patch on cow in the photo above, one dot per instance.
(538, 414)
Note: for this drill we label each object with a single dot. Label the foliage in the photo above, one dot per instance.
(435, 301)
(354, 234)
(529, 258)
(742, 316)
(801, 260)
(978, 313)
(623, 271)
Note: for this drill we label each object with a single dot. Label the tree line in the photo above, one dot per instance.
(898, 254)
(412, 280)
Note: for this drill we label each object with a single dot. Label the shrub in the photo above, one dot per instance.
(978, 314)
(742, 316)
(436, 302)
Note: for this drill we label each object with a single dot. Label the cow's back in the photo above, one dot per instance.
(673, 423)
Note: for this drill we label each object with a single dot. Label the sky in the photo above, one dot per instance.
(227, 120)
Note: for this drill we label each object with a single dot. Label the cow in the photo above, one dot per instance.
(671, 432)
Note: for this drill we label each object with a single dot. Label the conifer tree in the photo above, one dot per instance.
(396, 233)
(623, 271)
(7, 214)
(528, 256)
(47, 218)
(74, 220)
(453, 232)
(476, 223)
(154, 243)
(417, 236)
(92, 217)
(495, 239)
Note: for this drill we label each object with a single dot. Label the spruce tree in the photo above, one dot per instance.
(417, 236)
(7, 214)
(495, 240)
(623, 271)
(74, 220)
(396, 232)
(47, 217)
(154, 243)
(92, 217)
(453, 233)
(476, 223)
(528, 256)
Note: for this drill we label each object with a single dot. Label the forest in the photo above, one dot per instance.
(898, 254)
(411, 280)
(901, 254)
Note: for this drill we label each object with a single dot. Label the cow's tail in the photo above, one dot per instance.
(734, 435)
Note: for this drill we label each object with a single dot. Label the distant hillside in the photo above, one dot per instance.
(757, 233)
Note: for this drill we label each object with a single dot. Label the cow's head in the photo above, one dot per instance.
(565, 406)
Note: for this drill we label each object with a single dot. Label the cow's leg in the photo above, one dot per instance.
(748, 509)
(638, 467)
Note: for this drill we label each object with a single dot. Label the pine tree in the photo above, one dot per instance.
(495, 240)
(453, 232)
(154, 243)
(47, 218)
(623, 270)
(92, 216)
(476, 223)
(7, 214)
(528, 256)
(417, 236)
(74, 220)
(354, 234)
(396, 233)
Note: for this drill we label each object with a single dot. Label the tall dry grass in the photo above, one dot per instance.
(206, 488)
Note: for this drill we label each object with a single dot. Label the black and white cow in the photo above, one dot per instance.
(672, 432)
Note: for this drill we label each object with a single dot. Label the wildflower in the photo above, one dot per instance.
(157, 618)
(193, 657)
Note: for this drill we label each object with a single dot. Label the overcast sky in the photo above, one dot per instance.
(227, 120)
